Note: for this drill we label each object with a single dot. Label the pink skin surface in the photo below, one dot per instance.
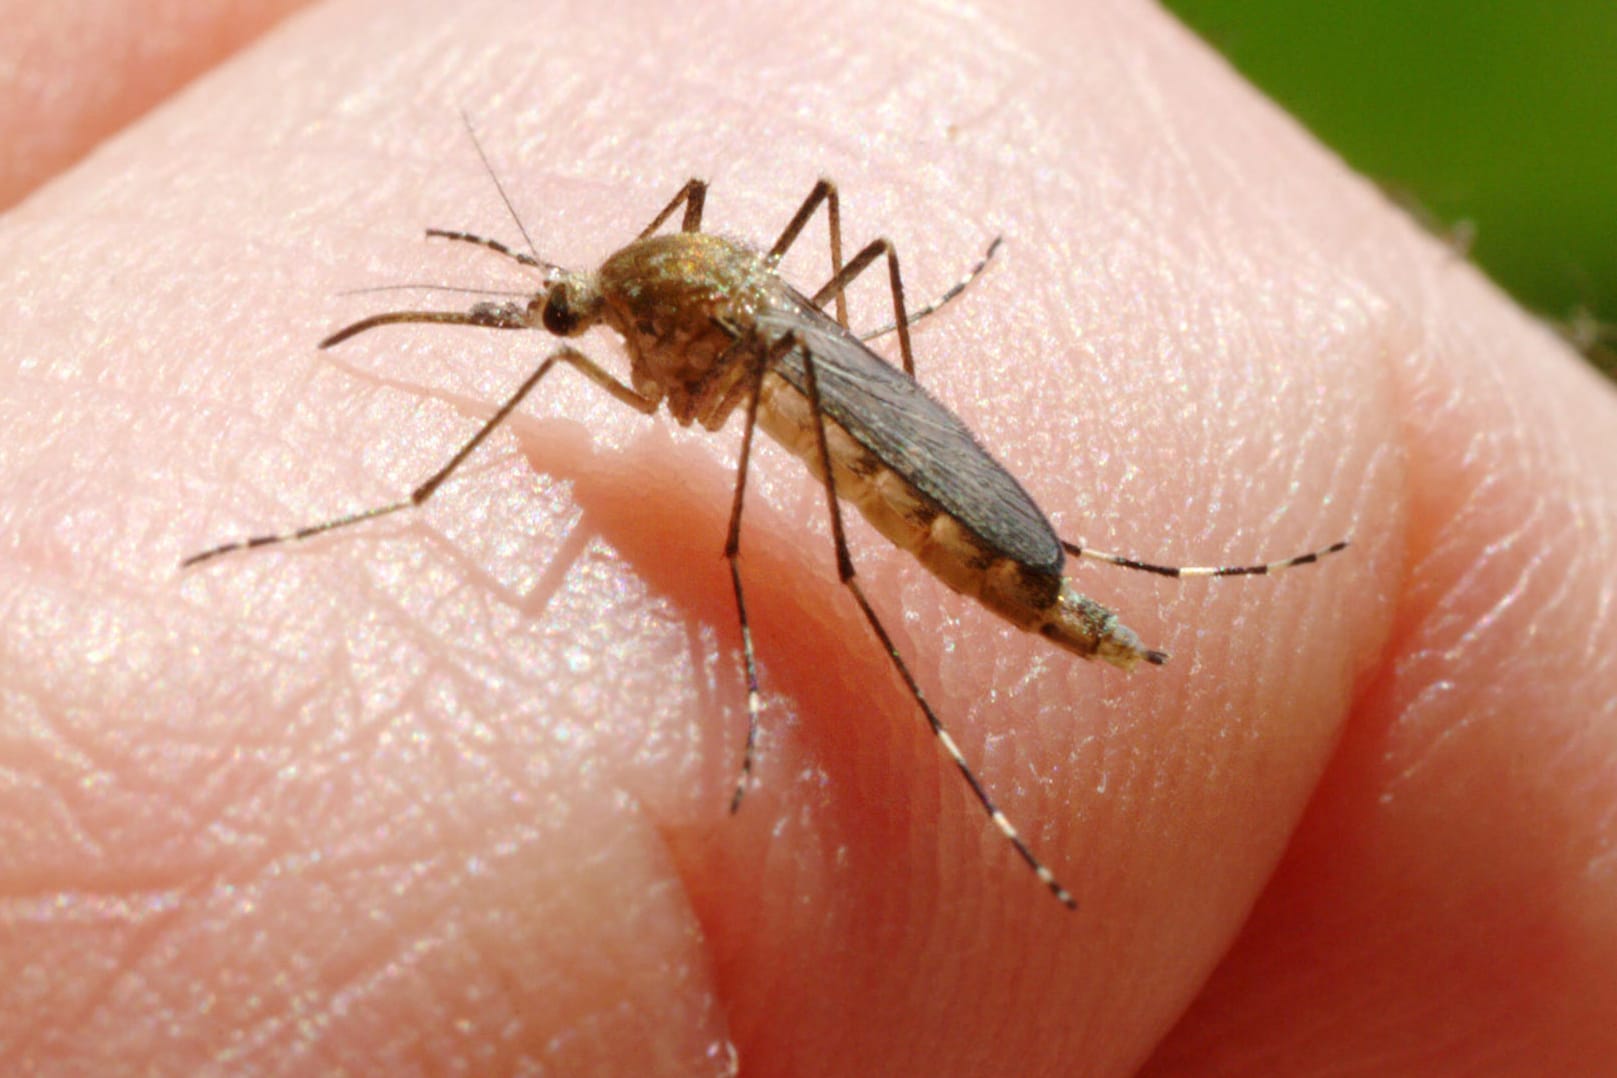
(73, 74)
(449, 790)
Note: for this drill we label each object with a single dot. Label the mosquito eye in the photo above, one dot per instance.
(560, 317)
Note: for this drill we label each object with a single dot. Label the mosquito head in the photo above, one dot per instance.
(571, 305)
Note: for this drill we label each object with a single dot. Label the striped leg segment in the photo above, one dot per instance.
(942, 301)
(1185, 571)
(845, 572)
(732, 552)
(420, 494)
(842, 276)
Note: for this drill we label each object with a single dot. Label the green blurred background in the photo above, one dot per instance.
(1497, 119)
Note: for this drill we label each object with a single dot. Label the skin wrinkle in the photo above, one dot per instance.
(1500, 610)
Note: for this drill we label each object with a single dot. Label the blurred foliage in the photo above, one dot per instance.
(1498, 119)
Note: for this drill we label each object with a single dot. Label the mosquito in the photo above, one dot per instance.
(710, 327)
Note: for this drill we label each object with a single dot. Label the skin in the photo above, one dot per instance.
(449, 791)
(73, 76)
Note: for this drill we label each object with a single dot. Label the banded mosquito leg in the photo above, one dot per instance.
(732, 554)
(422, 493)
(1184, 571)
(845, 572)
(693, 196)
(824, 191)
(532, 257)
(966, 280)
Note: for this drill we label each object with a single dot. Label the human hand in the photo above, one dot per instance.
(451, 791)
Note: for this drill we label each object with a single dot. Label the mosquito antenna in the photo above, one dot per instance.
(551, 270)
(500, 187)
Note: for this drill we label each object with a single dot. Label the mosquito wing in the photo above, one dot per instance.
(894, 417)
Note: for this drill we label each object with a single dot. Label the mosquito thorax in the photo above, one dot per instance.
(685, 305)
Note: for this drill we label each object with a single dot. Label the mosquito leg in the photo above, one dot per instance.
(693, 196)
(965, 282)
(426, 490)
(824, 191)
(840, 282)
(1182, 571)
(845, 572)
(732, 552)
